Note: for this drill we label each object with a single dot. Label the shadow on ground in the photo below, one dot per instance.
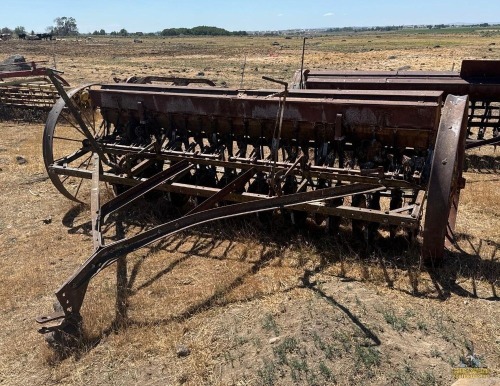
(397, 253)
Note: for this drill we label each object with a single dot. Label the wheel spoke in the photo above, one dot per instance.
(81, 179)
(90, 124)
(85, 160)
(78, 189)
(72, 124)
(67, 139)
(63, 180)
(102, 129)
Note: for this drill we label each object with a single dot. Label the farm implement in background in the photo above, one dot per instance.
(25, 89)
(376, 158)
(479, 79)
(170, 80)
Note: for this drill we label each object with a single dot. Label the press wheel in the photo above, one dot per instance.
(446, 179)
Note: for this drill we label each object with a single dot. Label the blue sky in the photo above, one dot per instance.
(155, 15)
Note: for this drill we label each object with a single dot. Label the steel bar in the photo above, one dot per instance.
(72, 292)
(143, 187)
(472, 144)
(202, 191)
(237, 184)
(354, 177)
(356, 95)
(95, 203)
(41, 71)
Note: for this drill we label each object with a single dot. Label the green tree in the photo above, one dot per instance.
(6, 30)
(170, 32)
(200, 30)
(65, 26)
(19, 30)
(211, 31)
(123, 32)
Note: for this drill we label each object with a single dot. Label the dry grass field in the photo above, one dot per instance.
(233, 303)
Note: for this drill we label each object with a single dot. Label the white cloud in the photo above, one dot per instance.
(280, 15)
(329, 14)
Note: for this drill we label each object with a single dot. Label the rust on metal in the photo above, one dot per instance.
(172, 80)
(479, 79)
(371, 157)
(446, 173)
(28, 86)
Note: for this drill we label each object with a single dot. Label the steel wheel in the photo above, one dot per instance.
(65, 144)
(446, 178)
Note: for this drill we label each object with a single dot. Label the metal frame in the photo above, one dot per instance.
(216, 119)
(31, 88)
(479, 79)
(174, 80)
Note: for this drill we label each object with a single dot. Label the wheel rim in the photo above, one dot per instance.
(445, 180)
(62, 137)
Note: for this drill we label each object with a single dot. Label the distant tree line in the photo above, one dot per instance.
(442, 26)
(18, 30)
(401, 27)
(196, 31)
(63, 26)
(355, 29)
(67, 26)
(201, 31)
